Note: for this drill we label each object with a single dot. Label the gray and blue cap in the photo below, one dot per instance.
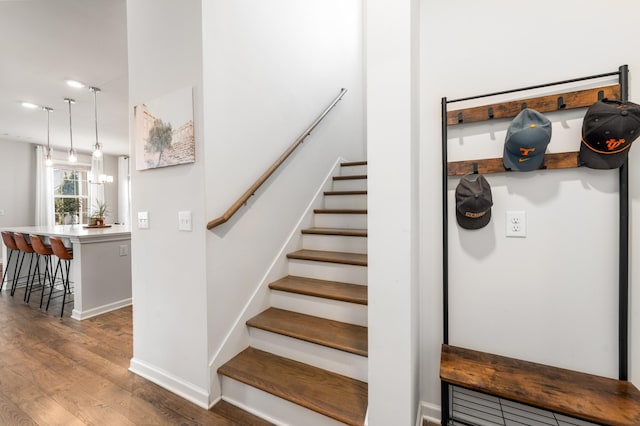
(526, 142)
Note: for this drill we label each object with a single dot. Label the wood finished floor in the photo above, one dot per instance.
(59, 371)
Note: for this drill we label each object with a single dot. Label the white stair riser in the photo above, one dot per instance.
(328, 271)
(271, 407)
(345, 201)
(357, 221)
(334, 360)
(350, 185)
(352, 313)
(353, 170)
(334, 243)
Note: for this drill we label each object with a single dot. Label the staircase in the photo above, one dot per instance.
(307, 359)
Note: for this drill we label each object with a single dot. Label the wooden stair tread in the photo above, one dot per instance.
(330, 394)
(345, 292)
(353, 192)
(350, 177)
(580, 395)
(238, 416)
(354, 163)
(334, 334)
(347, 232)
(344, 258)
(340, 211)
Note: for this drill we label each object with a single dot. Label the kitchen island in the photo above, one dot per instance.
(100, 269)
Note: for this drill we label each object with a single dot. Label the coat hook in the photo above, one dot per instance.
(475, 168)
(523, 106)
(561, 103)
(600, 95)
(460, 117)
(490, 112)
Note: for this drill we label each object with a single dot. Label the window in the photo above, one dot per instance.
(70, 196)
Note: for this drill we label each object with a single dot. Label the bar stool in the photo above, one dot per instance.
(66, 255)
(26, 248)
(42, 250)
(10, 244)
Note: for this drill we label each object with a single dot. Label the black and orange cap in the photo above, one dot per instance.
(608, 130)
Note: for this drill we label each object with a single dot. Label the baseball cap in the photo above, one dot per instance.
(608, 129)
(527, 138)
(473, 202)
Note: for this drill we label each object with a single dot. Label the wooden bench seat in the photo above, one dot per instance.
(579, 395)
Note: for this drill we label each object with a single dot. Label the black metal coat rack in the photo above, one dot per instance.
(565, 160)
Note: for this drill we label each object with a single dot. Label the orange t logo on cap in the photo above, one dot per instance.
(525, 151)
(614, 143)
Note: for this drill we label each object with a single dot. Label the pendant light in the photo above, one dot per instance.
(97, 148)
(49, 160)
(72, 152)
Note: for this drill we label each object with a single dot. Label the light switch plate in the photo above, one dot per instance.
(143, 220)
(184, 221)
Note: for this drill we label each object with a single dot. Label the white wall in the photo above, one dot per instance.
(551, 297)
(392, 147)
(270, 68)
(262, 73)
(17, 174)
(169, 291)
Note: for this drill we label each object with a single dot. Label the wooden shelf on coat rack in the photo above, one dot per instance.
(543, 104)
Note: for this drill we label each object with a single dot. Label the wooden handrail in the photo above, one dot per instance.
(262, 179)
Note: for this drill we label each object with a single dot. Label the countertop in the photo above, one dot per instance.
(74, 232)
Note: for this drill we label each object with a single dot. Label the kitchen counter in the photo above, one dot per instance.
(101, 266)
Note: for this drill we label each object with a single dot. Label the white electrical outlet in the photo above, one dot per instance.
(516, 224)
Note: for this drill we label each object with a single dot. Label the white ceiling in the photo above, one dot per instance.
(45, 42)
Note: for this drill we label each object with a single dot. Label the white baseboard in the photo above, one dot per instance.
(99, 310)
(186, 390)
(429, 412)
(250, 410)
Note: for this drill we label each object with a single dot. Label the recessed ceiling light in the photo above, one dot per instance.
(30, 105)
(75, 84)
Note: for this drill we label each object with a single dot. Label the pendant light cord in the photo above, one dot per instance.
(48, 156)
(69, 101)
(48, 131)
(72, 152)
(97, 148)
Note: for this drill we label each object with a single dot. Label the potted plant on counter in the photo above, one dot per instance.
(99, 213)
